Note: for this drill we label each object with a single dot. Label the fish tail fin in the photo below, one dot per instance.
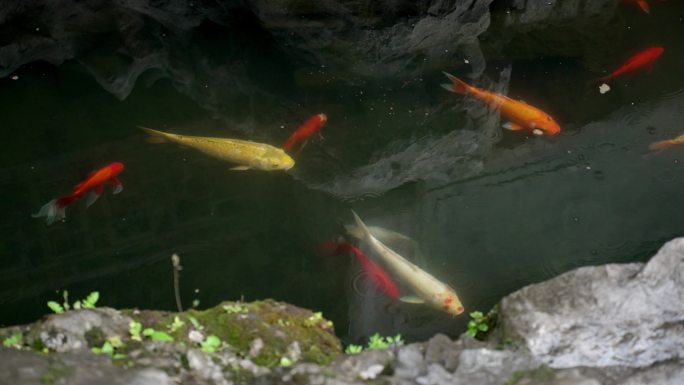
(154, 135)
(660, 145)
(457, 85)
(55, 209)
(643, 4)
(287, 146)
(363, 231)
(354, 231)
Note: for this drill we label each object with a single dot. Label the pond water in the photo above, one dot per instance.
(492, 210)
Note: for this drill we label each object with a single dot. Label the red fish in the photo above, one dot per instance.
(377, 275)
(303, 132)
(93, 185)
(643, 4)
(643, 59)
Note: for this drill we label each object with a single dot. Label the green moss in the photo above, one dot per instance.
(95, 337)
(54, 373)
(542, 373)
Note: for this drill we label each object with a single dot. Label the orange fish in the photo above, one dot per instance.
(642, 59)
(663, 144)
(643, 4)
(521, 115)
(93, 185)
(303, 132)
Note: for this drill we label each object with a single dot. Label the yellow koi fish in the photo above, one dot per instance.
(245, 153)
(427, 289)
(521, 115)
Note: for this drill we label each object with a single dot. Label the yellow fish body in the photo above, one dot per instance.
(246, 154)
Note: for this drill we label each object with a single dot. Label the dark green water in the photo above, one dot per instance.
(492, 211)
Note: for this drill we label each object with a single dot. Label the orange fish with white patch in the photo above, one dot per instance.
(521, 115)
(302, 133)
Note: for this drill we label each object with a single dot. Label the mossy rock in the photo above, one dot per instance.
(238, 324)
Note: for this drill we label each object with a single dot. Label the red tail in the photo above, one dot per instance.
(377, 275)
(65, 201)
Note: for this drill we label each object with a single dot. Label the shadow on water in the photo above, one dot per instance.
(492, 211)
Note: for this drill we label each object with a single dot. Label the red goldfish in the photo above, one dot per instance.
(521, 115)
(93, 185)
(378, 276)
(663, 144)
(643, 4)
(643, 59)
(303, 132)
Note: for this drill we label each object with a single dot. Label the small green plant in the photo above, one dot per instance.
(16, 340)
(134, 329)
(376, 342)
(211, 344)
(284, 361)
(234, 309)
(156, 335)
(353, 349)
(316, 319)
(478, 323)
(177, 324)
(195, 323)
(109, 347)
(87, 303)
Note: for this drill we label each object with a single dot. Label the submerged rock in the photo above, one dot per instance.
(604, 325)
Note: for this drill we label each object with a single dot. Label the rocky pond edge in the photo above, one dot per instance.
(608, 324)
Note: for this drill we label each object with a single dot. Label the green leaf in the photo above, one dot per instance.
(353, 349)
(211, 344)
(65, 295)
(115, 341)
(377, 342)
(476, 314)
(135, 328)
(156, 335)
(284, 361)
(472, 324)
(177, 324)
(91, 300)
(483, 327)
(195, 323)
(471, 332)
(54, 306)
(13, 341)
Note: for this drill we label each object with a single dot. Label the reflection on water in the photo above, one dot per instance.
(491, 211)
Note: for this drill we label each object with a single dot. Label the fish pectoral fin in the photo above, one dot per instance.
(117, 187)
(240, 168)
(412, 299)
(513, 126)
(354, 231)
(93, 194)
(538, 132)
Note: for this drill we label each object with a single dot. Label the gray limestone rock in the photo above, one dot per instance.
(612, 315)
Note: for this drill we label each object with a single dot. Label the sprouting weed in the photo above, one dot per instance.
(16, 340)
(195, 323)
(177, 324)
(284, 361)
(156, 335)
(234, 309)
(478, 323)
(353, 349)
(135, 328)
(109, 347)
(88, 303)
(211, 344)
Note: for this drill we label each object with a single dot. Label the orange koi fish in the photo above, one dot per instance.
(643, 4)
(642, 59)
(377, 275)
(521, 115)
(303, 132)
(663, 144)
(93, 185)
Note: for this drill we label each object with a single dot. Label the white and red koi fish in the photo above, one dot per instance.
(427, 289)
(93, 185)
